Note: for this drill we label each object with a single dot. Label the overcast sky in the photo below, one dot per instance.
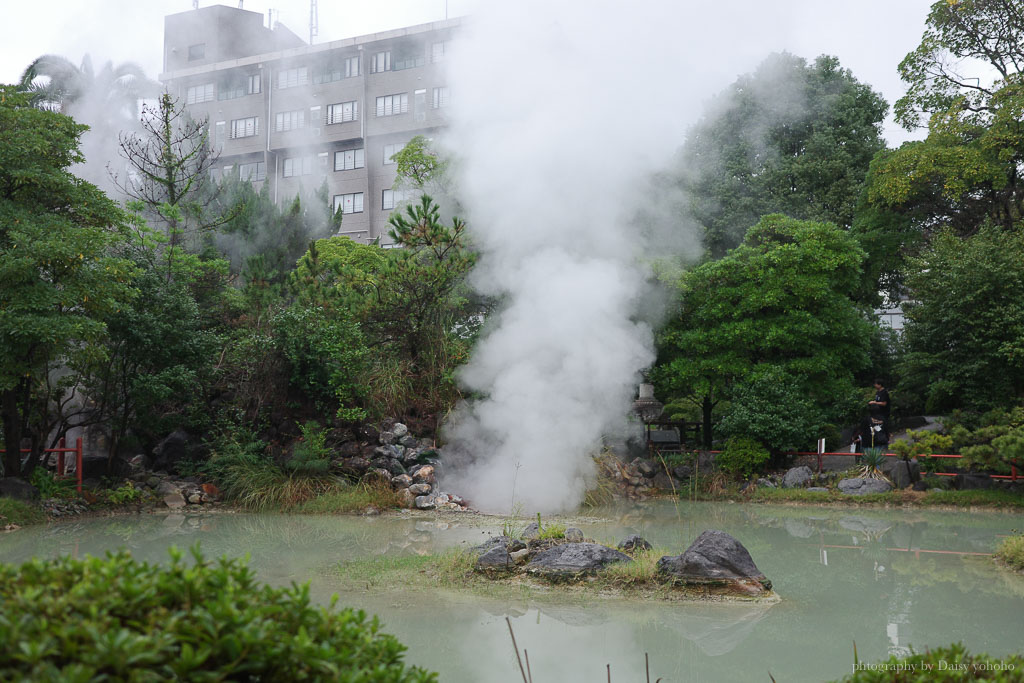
(870, 37)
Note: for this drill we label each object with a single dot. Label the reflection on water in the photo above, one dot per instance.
(889, 579)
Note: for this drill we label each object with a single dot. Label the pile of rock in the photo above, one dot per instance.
(642, 476)
(715, 563)
(174, 492)
(395, 457)
(57, 508)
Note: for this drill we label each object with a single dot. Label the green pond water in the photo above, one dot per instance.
(889, 579)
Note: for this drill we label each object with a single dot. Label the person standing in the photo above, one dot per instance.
(880, 409)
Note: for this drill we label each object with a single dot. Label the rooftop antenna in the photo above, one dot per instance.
(270, 17)
(314, 23)
(195, 4)
(240, 3)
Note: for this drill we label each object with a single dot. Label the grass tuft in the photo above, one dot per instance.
(17, 512)
(1011, 552)
(351, 498)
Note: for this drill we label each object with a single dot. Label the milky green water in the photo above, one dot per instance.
(889, 579)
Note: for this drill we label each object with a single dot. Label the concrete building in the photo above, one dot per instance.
(290, 114)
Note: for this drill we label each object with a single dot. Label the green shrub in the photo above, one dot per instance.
(953, 663)
(742, 457)
(310, 454)
(993, 441)
(117, 619)
(124, 494)
(1011, 551)
(16, 512)
(247, 476)
(922, 443)
(50, 485)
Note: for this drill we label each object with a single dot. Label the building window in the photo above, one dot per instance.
(438, 50)
(420, 105)
(390, 151)
(380, 62)
(218, 134)
(254, 171)
(290, 120)
(392, 198)
(253, 84)
(348, 159)
(199, 93)
(244, 128)
(197, 51)
(290, 78)
(440, 97)
(238, 86)
(408, 58)
(348, 68)
(389, 105)
(342, 112)
(297, 166)
(349, 203)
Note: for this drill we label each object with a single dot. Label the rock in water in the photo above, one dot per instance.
(570, 560)
(532, 530)
(797, 477)
(860, 486)
(716, 560)
(634, 542)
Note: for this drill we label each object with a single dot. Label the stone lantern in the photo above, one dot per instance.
(646, 407)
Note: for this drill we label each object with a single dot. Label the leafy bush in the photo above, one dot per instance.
(994, 441)
(770, 407)
(1011, 551)
(310, 455)
(50, 485)
(922, 443)
(119, 619)
(871, 462)
(953, 663)
(246, 475)
(742, 457)
(126, 493)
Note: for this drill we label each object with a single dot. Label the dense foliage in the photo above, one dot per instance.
(953, 663)
(742, 457)
(773, 326)
(792, 138)
(122, 620)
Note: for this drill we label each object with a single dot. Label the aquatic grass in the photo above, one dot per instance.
(450, 569)
(642, 572)
(991, 498)
(19, 513)
(1011, 552)
(350, 498)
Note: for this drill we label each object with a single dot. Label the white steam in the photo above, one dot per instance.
(563, 112)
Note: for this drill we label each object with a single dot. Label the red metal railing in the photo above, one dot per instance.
(60, 450)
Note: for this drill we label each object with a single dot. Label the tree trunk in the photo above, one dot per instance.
(705, 430)
(12, 432)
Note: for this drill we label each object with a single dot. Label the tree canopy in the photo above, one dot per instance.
(781, 306)
(791, 137)
(57, 277)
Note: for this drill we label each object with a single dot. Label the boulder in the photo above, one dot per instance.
(402, 481)
(532, 530)
(716, 560)
(420, 489)
(511, 544)
(634, 542)
(355, 465)
(905, 473)
(18, 489)
(766, 483)
(349, 449)
(569, 560)
(969, 482)
(409, 441)
(424, 473)
(646, 467)
(682, 471)
(174, 501)
(662, 481)
(406, 499)
(386, 438)
(519, 556)
(399, 430)
(394, 467)
(425, 503)
(573, 535)
(165, 488)
(368, 432)
(860, 486)
(497, 558)
(797, 477)
(170, 450)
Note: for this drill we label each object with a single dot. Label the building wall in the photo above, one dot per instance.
(293, 132)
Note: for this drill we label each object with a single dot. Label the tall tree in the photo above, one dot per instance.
(964, 336)
(57, 278)
(778, 309)
(792, 138)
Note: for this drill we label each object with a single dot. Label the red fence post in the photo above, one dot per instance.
(60, 457)
(78, 463)
(1013, 473)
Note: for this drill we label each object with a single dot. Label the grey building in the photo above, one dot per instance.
(291, 115)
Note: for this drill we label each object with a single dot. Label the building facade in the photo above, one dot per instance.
(293, 115)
